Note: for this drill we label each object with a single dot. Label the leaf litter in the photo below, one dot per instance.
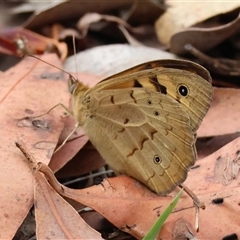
(213, 178)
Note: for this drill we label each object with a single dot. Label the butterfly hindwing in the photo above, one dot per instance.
(143, 134)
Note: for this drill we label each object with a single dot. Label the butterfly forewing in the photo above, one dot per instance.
(189, 89)
(193, 91)
(142, 133)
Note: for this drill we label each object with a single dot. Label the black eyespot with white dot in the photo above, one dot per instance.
(149, 102)
(157, 159)
(156, 113)
(183, 90)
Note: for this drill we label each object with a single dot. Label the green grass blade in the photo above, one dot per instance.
(153, 232)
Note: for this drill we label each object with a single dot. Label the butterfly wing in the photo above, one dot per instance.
(186, 82)
(141, 133)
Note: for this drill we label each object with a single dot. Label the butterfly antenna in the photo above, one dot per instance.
(30, 55)
(75, 55)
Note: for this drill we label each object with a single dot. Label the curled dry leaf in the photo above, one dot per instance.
(214, 180)
(224, 111)
(174, 20)
(27, 89)
(203, 38)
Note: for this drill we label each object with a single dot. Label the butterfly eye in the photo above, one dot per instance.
(149, 102)
(157, 159)
(71, 88)
(183, 90)
(156, 113)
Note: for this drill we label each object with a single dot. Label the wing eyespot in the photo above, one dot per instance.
(149, 102)
(157, 159)
(183, 90)
(156, 113)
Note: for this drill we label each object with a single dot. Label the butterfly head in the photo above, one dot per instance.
(72, 84)
(75, 87)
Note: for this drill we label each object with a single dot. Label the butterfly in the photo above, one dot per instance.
(143, 120)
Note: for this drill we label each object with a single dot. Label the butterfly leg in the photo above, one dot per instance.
(195, 199)
(59, 104)
(65, 140)
(198, 204)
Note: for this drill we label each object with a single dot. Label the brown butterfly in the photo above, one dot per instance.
(143, 120)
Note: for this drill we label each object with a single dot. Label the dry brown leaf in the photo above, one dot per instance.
(213, 179)
(181, 16)
(27, 89)
(55, 218)
(144, 12)
(47, 14)
(67, 152)
(223, 115)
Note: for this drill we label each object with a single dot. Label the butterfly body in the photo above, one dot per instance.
(142, 124)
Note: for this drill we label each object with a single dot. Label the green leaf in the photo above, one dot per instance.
(152, 234)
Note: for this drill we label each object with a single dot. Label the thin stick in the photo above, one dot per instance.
(30, 159)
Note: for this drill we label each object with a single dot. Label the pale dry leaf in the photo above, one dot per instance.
(34, 6)
(27, 89)
(181, 16)
(117, 57)
(223, 115)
